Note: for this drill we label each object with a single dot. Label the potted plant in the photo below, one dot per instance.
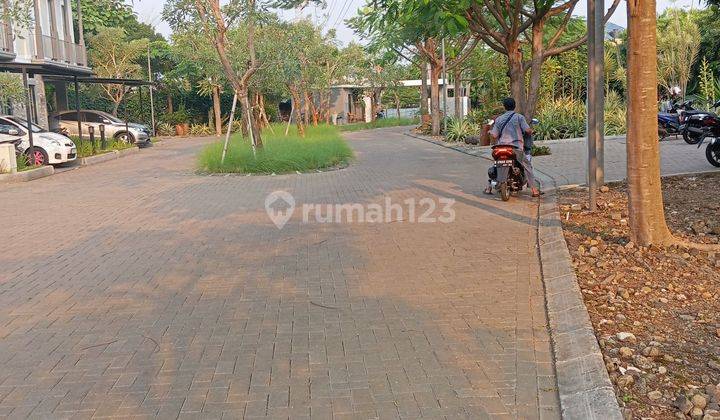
(180, 120)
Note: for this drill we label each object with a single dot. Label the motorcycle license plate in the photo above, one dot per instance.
(504, 162)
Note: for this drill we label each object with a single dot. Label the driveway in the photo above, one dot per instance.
(138, 287)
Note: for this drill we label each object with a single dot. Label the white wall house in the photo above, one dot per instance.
(351, 108)
(48, 46)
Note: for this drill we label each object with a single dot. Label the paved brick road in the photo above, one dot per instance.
(568, 164)
(139, 288)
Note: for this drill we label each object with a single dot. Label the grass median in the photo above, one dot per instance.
(322, 147)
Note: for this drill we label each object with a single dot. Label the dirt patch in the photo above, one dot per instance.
(656, 311)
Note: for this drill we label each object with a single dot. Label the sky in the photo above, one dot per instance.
(333, 16)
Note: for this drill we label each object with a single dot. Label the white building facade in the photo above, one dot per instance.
(50, 45)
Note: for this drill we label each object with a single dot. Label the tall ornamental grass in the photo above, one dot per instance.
(322, 147)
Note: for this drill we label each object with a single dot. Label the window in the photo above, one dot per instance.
(70, 116)
(5, 128)
(92, 117)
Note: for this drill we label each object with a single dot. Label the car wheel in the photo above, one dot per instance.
(125, 137)
(41, 156)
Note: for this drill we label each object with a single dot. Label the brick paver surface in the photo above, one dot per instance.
(138, 287)
(568, 162)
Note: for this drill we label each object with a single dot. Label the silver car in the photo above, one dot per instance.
(115, 128)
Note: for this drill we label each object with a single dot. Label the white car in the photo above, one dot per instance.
(50, 148)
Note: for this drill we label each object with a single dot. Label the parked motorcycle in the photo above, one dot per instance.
(695, 124)
(712, 151)
(670, 123)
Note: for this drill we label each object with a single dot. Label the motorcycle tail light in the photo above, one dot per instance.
(708, 122)
(503, 153)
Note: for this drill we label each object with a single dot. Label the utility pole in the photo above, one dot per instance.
(592, 102)
(152, 101)
(444, 72)
(600, 90)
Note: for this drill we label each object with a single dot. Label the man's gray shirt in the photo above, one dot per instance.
(512, 133)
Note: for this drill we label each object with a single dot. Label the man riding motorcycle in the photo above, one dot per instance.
(508, 130)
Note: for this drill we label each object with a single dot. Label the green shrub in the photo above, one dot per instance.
(165, 129)
(85, 148)
(566, 118)
(459, 130)
(176, 118)
(201, 130)
(560, 119)
(540, 150)
(322, 147)
(615, 115)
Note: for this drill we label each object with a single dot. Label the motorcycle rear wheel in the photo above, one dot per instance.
(712, 153)
(691, 138)
(504, 191)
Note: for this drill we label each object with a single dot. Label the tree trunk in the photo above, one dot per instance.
(457, 76)
(170, 108)
(435, 70)
(249, 119)
(296, 108)
(313, 109)
(216, 110)
(535, 70)
(116, 105)
(306, 109)
(423, 90)
(517, 76)
(397, 104)
(645, 200)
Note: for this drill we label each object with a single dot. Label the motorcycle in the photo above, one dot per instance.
(670, 123)
(712, 152)
(694, 124)
(507, 174)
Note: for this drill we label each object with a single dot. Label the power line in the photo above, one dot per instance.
(342, 13)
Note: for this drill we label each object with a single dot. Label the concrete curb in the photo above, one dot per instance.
(477, 153)
(94, 160)
(577, 140)
(130, 151)
(583, 382)
(112, 155)
(28, 175)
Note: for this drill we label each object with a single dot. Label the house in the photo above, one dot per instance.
(49, 46)
(351, 103)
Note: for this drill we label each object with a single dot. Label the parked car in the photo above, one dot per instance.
(50, 148)
(9, 134)
(115, 128)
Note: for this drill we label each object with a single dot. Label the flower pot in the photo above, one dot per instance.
(485, 139)
(182, 129)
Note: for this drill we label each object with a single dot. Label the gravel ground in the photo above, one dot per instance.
(656, 311)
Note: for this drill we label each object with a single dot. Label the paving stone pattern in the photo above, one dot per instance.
(568, 162)
(139, 288)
